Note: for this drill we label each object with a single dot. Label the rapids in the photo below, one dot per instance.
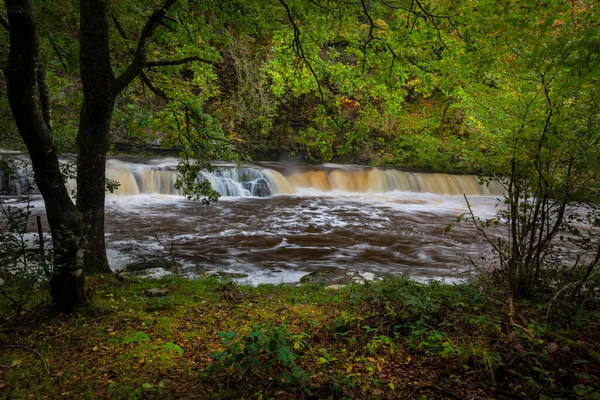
(276, 222)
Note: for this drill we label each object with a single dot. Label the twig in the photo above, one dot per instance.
(20, 346)
(512, 319)
(171, 252)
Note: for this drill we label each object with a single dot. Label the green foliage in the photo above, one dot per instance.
(350, 94)
(349, 342)
(265, 351)
(540, 128)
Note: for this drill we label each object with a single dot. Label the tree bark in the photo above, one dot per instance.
(67, 286)
(92, 139)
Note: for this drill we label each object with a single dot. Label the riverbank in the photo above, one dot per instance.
(211, 338)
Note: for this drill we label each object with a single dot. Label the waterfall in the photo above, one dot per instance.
(262, 181)
(19, 181)
(376, 180)
(229, 181)
(159, 177)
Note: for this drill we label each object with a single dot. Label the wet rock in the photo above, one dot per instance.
(258, 187)
(156, 292)
(122, 278)
(335, 278)
(146, 265)
(227, 275)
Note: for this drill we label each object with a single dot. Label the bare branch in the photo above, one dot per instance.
(371, 37)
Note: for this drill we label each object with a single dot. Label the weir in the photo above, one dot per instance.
(261, 181)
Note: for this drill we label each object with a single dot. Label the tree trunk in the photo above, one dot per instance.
(67, 285)
(92, 139)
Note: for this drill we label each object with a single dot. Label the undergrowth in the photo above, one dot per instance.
(215, 339)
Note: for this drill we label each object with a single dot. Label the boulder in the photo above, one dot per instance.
(336, 277)
(148, 264)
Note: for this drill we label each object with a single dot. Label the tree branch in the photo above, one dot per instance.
(158, 92)
(119, 27)
(297, 43)
(165, 63)
(139, 59)
(4, 22)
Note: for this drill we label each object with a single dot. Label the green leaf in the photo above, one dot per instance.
(138, 337)
(172, 346)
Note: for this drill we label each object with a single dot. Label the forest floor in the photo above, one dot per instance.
(214, 339)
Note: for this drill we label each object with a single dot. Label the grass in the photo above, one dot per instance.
(212, 339)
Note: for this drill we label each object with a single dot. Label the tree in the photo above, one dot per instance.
(77, 229)
(534, 91)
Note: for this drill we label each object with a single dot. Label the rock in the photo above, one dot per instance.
(334, 287)
(258, 187)
(156, 292)
(334, 278)
(148, 264)
(369, 276)
(227, 275)
(328, 277)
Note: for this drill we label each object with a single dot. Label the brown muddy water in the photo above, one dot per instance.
(275, 222)
(383, 221)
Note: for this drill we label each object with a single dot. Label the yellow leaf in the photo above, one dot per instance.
(16, 362)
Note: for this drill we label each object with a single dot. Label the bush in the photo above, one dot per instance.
(265, 350)
(24, 265)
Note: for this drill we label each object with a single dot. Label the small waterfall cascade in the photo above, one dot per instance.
(377, 180)
(229, 181)
(264, 181)
(159, 177)
(19, 180)
(246, 181)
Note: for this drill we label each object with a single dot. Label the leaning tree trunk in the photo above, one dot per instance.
(27, 95)
(92, 139)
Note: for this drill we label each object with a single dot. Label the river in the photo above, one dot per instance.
(276, 222)
(383, 221)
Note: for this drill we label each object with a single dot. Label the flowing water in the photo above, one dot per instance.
(276, 222)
